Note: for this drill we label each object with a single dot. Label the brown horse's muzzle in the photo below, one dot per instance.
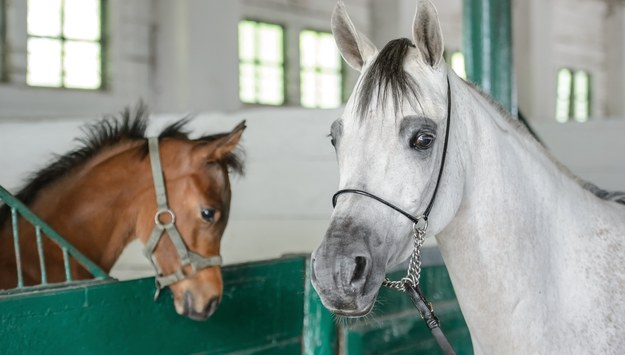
(198, 297)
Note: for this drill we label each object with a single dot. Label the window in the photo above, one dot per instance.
(321, 79)
(456, 61)
(573, 95)
(261, 63)
(65, 43)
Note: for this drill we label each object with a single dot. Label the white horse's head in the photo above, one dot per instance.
(389, 142)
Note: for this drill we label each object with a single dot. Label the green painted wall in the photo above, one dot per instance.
(261, 312)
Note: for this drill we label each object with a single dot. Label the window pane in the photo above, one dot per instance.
(307, 89)
(320, 75)
(82, 19)
(328, 55)
(44, 18)
(581, 96)
(457, 64)
(246, 40)
(563, 103)
(261, 57)
(307, 49)
(247, 83)
(82, 65)
(44, 62)
(271, 88)
(329, 90)
(269, 43)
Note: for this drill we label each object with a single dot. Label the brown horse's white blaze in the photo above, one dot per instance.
(103, 197)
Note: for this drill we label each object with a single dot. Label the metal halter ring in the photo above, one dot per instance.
(157, 218)
(419, 227)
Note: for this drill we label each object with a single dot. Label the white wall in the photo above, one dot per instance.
(283, 203)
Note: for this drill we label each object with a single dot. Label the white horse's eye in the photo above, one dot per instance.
(422, 140)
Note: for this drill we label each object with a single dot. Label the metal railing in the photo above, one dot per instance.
(17, 209)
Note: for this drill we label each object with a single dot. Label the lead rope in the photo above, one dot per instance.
(414, 266)
(410, 285)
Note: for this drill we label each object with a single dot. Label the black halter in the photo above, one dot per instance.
(423, 217)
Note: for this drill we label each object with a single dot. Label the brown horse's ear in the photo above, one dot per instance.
(220, 147)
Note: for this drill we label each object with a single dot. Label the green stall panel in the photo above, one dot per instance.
(261, 312)
(268, 307)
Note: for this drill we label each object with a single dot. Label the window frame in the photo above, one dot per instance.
(342, 72)
(571, 95)
(103, 42)
(256, 63)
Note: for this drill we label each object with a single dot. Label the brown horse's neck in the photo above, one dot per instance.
(94, 207)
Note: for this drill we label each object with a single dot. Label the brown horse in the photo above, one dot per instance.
(101, 196)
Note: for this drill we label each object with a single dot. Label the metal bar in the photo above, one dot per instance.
(68, 272)
(16, 244)
(28, 215)
(488, 48)
(42, 257)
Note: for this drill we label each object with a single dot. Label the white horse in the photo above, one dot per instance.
(536, 256)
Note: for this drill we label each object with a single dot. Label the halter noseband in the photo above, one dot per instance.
(187, 258)
(421, 220)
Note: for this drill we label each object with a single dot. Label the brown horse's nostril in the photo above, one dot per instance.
(211, 307)
(359, 270)
(187, 303)
(208, 310)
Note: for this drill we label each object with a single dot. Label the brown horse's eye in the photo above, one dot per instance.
(208, 214)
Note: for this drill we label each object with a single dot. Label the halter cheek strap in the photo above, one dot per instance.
(187, 258)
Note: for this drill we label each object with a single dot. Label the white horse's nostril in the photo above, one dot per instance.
(359, 270)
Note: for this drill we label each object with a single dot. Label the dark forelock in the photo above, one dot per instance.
(387, 74)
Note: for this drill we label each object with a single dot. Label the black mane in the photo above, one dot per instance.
(387, 74)
(129, 125)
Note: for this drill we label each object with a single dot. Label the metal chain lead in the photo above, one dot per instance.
(414, 266)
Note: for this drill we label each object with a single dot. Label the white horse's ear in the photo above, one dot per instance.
(355, 48)
(427, 34)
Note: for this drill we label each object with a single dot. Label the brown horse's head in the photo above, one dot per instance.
(197, 186)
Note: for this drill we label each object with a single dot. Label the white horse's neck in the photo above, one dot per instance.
(526, 250)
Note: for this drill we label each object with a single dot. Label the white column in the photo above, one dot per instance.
(197, 55)
(615, 38)
(533, 58)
